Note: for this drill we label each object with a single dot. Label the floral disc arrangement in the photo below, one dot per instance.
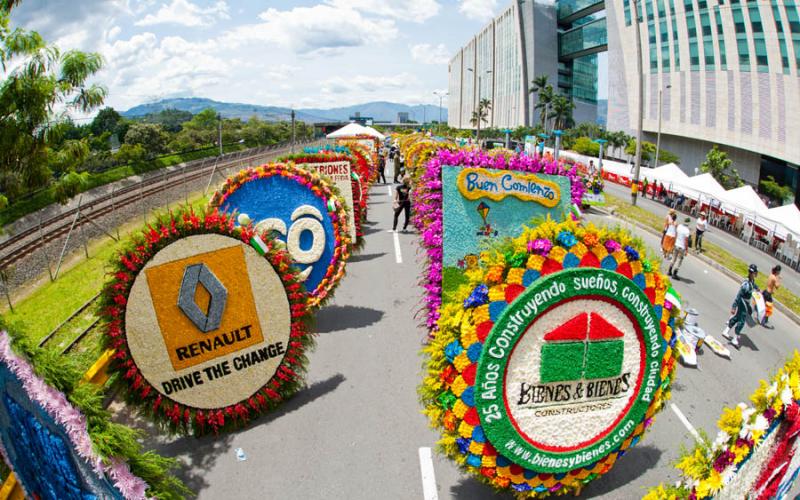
(301, 210)
(551, 360)
(45, 440)
(756, 453)
(428, 202)
(338, 171)
(208, 322)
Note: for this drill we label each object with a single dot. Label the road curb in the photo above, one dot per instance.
(716, 265)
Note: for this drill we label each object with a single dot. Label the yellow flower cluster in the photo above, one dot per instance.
(697, 466)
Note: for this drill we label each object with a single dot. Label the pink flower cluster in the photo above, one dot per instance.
(428, 207)
(55, 403)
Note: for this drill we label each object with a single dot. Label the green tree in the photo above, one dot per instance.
(39, 78)
(70, 185)
(69, 156)
(544, 100)
(649, 151)
(776, 192)
(721, 168)
(106, 120)
(151, 137)
(131, 153)
(480, 115)
(561, 113)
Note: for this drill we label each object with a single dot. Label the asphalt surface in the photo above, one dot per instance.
(356, 431)
(748, 253)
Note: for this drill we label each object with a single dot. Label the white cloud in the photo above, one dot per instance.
(367, 84)
(417, 11)
(426, 53)
(318, 30)
(186, 13)
(481, 10)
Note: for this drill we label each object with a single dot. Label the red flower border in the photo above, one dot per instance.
(176, 416)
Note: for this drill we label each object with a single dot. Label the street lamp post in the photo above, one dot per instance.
(658, 137)
(507, 131)
(640, 94)
(440, 95)
(602, 143)
(557, 133)
(219, 132)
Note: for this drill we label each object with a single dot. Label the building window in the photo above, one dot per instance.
(705, 23)
(738, 20)
(694, 56)
(662, 32)
(794, 27)
(723, 62)
(708, 40)
(664, 58)
(762, 60)
(675, 40)
(627, 9)
(744, 53)
(776, 13)
(661, 10)
(691, 26)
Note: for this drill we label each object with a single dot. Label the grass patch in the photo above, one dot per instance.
(716, 253)
(46, 197)
(48, 306)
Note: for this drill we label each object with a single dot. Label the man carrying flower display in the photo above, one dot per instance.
(741, 307)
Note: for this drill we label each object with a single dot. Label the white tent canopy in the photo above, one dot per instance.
(665, 174)
(349, 130)
(744, 199)
(787, 216)
(701, 187)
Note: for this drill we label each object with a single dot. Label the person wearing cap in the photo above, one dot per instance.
(741, 307)
(682, 235)
(699, 229)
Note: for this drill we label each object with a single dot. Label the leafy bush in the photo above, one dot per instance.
(70, 185)
(586, 146)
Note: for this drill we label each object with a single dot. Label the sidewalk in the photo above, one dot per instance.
(741, 249)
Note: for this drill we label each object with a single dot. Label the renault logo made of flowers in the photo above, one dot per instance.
(200, 274)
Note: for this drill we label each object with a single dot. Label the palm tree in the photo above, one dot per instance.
(480, 115)
(562, 111)
(545, 98)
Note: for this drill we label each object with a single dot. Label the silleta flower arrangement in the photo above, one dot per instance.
(111, 450)
(367, 158)
(335, 270)
(427, 201)
(451, 391)
(359, 188)
(418, 150)
(115, 297)
(753, 449)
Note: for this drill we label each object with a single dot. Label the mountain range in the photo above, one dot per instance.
(380, 111)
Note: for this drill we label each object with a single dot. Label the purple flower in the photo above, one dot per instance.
(631, 252)
(612, 246)
(540, 246)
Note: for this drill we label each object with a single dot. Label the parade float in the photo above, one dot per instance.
(338, 168)
(58, 440)
(207, 321)
(304, 213)
(551, 341)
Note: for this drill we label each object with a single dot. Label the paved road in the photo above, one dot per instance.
(750, 254)
(356, 431)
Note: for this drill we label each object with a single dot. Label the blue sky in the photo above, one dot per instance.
(302, 53)
(312, 53)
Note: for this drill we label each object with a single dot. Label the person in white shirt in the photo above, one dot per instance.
(682, 234)
(668, 239)
(700, 228)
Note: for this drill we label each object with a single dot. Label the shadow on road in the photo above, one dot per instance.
(336, 318)
(744, 341)
(365, 257)
(472, 489)
(685, 280)
(200, 454)
(627, 469)
(369, 230)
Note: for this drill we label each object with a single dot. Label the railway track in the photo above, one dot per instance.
(33, 238)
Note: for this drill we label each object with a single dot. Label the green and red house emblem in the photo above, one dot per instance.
(587, 346)
(569, 370)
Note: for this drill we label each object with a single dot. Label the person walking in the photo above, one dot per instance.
(668, 234)
(773, 283)
(682, 235)
(741, 307)
(382, 169)
(699, 229)
(402, 203)
(644, 187)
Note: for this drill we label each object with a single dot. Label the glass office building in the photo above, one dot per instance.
(728, 72)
